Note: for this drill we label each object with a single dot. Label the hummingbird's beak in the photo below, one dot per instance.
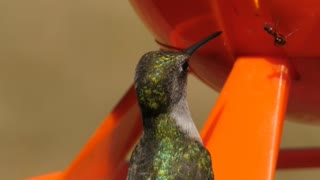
(196, 46)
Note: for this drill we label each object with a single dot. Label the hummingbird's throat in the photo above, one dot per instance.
(163, 126)
(175, 123)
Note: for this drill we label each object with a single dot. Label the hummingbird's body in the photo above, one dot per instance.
(170, 147)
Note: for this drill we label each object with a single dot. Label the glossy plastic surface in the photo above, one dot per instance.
(180, 23)
(104, 155)
(244, 129)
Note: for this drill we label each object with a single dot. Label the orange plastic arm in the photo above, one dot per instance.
(244, 129)
(104, 155)
(51, 176)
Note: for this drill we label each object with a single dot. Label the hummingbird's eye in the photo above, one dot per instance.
(185, 66)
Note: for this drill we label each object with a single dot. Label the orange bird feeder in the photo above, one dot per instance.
(259, 83)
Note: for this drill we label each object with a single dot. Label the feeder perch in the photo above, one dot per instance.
(259, 83)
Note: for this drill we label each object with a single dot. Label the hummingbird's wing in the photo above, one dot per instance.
(193, 163)
(137, 163)
(197, 167)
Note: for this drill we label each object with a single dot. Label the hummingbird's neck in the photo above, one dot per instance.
(175, 123)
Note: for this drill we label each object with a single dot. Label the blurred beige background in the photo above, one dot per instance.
(63, 66)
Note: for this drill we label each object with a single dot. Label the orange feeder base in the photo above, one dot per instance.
(243, 131)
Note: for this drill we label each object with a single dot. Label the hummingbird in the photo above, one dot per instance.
(170, 147)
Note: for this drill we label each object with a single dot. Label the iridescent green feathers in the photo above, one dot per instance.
(166, 153)
(158, 75)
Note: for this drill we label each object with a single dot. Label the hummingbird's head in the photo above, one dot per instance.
(161, 78)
